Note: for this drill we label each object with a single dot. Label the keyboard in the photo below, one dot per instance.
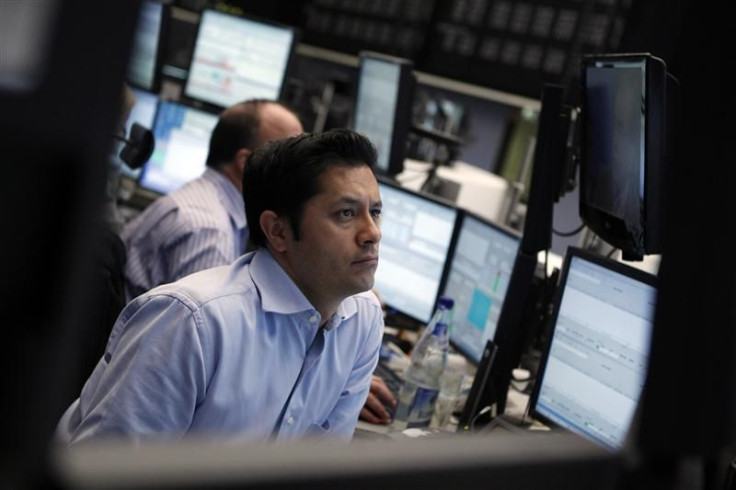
(390, 377)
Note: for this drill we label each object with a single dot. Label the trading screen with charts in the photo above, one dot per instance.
(416, 236)
(236, 59)
(597, 360)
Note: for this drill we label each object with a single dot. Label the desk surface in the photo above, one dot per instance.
(516, 405)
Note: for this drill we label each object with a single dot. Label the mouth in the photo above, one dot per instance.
(367, 260)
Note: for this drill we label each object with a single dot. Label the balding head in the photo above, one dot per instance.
(248, 125)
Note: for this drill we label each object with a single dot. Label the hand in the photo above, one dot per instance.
(374, 410)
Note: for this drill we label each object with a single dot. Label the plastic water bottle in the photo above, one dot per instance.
(421, 386)
(451, 387)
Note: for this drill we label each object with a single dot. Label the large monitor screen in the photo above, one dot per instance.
(480, 269)
(383, 107)
(615, 113)
(143, 65)
(182, 142)
(236, 59)
(594, 369)
(143, 113)
(417, 232)
(624, 148)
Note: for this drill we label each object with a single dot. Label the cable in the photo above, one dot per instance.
(483, 411)
(569, 233)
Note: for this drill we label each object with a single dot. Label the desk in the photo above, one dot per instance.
(516, 406)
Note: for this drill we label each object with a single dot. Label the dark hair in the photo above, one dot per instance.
(283, 175)
(238, 127)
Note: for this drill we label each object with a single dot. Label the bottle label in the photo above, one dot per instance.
(422, 407)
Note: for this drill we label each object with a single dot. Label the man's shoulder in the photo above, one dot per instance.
(210, 286)
(368, 298)
(184, 211)
(366, 303)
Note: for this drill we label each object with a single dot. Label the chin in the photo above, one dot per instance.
(362, 286)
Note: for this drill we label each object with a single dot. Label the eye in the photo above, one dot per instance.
(347, 213)
(376, 213)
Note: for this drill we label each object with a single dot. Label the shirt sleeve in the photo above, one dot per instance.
(152, 377)
(342, 420)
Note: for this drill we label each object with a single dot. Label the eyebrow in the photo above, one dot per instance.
(348, 200)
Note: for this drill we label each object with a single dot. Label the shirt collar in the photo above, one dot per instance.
(231, 197)
(268, 275)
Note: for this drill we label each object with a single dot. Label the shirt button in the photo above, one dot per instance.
(290, 420)
(313, 318)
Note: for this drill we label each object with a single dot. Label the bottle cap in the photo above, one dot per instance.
(446, 302)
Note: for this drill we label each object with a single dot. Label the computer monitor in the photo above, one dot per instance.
(237, 58)
(480, 268)
(182, 142)
(143, 113)
(145, 59)
(417, 232)
(626, 116)
(383, 107)
(593, 371)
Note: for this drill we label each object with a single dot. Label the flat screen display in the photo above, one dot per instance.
(143, 61)
(182, 136)
(378, 93)
(236, 59)
(594, 370)
(480, 269)
(615, 124)
(416, 233)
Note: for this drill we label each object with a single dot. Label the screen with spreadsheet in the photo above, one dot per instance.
(383, 107)
(143, 65)
(237, 58)
(417, 232)
(182, 136)
(594, 370)
(480, 268)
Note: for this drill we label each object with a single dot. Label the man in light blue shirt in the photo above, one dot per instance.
(279, 345)
(202, 224)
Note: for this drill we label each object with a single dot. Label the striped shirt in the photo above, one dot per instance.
(199, 226)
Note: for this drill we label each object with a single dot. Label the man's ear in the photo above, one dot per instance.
(276, 228)
(241, 159)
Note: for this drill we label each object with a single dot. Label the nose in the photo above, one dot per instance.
(370, 232)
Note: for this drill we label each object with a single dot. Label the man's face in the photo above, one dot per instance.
(337, 252)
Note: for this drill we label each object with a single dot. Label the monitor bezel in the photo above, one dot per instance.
(401, 119)
(206, 105)
(604, 223)
(510, 232)
(388, 181)
(610, 264)
(160, 51)
(139, 180)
